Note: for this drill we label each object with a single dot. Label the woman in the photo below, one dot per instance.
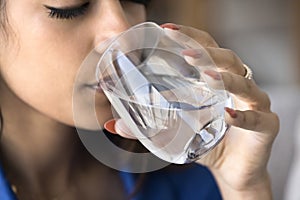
(43, 44)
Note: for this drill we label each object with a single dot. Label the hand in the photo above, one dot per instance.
(239, 162)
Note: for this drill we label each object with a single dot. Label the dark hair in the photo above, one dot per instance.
(1, 122)
(2, 29)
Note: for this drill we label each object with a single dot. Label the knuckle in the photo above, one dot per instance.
(256, 120)
(233, 60)
(251, 120)
(267, 100)
(212, 51)
(228, 81)
(249, 85)
(209, 40)
(276, 121)
(244, 119)
(206, 35)
(264, 102)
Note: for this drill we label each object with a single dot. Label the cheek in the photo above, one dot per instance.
(41, 68)
(43, 80)
(135, 13)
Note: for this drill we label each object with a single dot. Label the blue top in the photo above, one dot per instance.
(192, 183)
(5, 190)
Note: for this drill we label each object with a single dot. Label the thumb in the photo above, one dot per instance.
(118, 126)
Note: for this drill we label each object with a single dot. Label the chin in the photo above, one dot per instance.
(90, 117)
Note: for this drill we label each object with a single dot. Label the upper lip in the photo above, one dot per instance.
(93, 85)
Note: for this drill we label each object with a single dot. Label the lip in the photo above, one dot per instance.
(96, 87)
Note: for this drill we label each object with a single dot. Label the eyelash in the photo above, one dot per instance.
(68, 13)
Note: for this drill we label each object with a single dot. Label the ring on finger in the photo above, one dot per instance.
(248, 72)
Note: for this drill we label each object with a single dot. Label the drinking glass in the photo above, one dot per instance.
(171, 106)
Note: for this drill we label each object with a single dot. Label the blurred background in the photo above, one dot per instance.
(265, 34)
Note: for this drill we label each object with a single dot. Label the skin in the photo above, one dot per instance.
(41, 60)
(239, 162)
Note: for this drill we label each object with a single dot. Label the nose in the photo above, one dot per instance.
(110, 21)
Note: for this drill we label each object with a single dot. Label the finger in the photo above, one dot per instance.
(247, 91)
(117, 126)
(123, 130)
(242, 88)
(227, 60)
(199, 58)
(224, 59)
(202, 37)
(232, 79)
(266, 122)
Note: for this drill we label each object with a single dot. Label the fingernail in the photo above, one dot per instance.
(170, 26)
(215, 75)
(192, 53)
(110, 126)
(231, 112)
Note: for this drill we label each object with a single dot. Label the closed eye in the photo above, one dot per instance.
(144, 2)
(68, 12)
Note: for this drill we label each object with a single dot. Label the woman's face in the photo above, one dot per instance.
(49, 39)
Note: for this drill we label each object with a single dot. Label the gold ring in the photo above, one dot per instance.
(248, 73)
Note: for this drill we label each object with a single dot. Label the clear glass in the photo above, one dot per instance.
(171, 106)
